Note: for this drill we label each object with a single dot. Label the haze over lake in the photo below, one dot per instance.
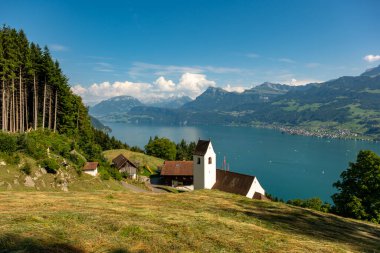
(287, 166)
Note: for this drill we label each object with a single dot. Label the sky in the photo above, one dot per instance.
(159, 49)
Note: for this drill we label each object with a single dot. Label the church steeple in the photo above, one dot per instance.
(204, 165)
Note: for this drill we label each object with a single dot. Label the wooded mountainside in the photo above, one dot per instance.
(35, 94)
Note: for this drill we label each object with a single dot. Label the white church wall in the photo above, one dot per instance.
(205, 173)
(255, 187)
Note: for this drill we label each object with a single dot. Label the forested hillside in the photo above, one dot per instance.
(35, 94)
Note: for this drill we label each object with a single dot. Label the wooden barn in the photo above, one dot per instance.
(124, 165)
(177, 173)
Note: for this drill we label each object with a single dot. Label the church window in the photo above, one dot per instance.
(209, 160)
(199, 160)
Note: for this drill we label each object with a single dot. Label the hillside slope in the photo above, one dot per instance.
(201, 221)
(139, 159)
(66, 179)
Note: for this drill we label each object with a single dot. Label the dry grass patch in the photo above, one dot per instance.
(201, 221)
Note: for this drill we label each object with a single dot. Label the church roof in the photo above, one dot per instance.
(120, 161)
(202, 147)
(233, 182)
(177, 168)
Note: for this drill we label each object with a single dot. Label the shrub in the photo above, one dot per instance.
(124, 174)
(8, 143)
(104, 175)
(26, 169)
(312, 203)
(50, 165)
(12, 158)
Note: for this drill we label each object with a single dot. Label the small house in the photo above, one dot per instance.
(177, 172)
(124, 165)
(91, 168)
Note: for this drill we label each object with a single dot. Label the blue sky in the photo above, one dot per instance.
(156, 49)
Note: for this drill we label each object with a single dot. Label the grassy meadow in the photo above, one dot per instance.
(139, 158)
(200, 221)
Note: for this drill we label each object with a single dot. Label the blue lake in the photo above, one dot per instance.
(287, 166)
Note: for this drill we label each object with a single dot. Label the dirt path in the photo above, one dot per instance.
(138, 189)
(133, 188)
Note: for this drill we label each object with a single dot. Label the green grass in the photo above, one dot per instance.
(135, 157)
(12, 178)
(200, 221)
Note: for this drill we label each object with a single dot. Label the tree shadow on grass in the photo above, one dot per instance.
(328, 227)
(16, 243)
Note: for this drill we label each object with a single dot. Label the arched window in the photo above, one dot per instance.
(199, 160)
(209, 160)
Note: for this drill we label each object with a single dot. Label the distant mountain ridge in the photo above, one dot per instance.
(123, 104)
(372, 72)
(171, 102)
(349, 104)
(119, 104)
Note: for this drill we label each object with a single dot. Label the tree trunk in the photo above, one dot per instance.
(13, 123)
(21, 123)
(26, 125)
(3, 108)
(55, 111)
(44, 107)
(16, 114)
(50, 109)
(7, 100)
(35, 107)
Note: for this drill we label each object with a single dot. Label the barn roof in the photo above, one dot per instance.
(121, 160)
(90, 166)
(177, 168)
(233, 182)
(202, 147)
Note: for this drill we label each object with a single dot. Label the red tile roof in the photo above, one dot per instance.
(90, 166)
(177, 168)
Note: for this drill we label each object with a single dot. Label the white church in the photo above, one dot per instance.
(203, 173)
(206, 176)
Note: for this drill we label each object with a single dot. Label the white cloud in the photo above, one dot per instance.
(190, 84)
(238, 89)
(79, 90)
(371, 58)
(98, 92)
(164, 85)
(141, 69)
(193, 84)
(295, 82)
(57, 48)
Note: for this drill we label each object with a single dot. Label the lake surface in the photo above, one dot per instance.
(287, 166)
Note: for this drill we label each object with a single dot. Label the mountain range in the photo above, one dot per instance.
(349, 103)
(123, 104)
